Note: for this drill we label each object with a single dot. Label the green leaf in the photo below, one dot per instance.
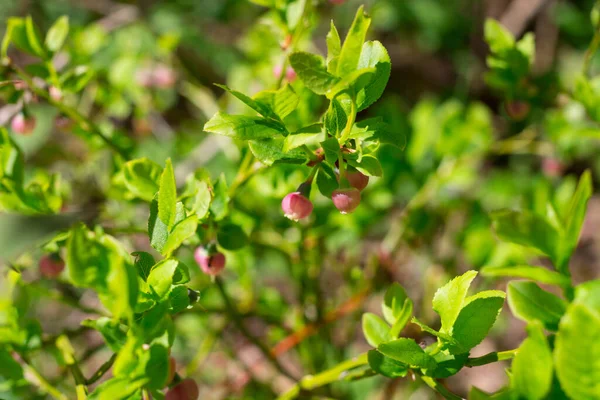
(575, 216)
(373, 55)
(407, 351)
(498, 37)
(271, 151)
(444, 336)
(158, 232)
(532, 366)
(449, 299)
(220, 204)
(142, 177)
(393, 302)
(331, 148)
(531, 303)
(231, 237)
(527, 229)
(326, 180)
(243, 127)
(386, 366)
(369, 165)
(334, 47)
(198, 196)
(257, 106)
(539, 274)
(143, 362)
(352, 82)
(351, 49)
(476, 318)
(307, 135)
(179, 300)
(98, 262)
(336, 116)
(448, 364)
(576, 348)
(55, 38)
(375, 329)
(112, 332)
(180, 232)
(33, 37)
(143, 263)
(167, 196)
(117, 389)
(161, 277)
(9, 368)
(311, 70)
(281, 102)
(16, 32)
(374, 129)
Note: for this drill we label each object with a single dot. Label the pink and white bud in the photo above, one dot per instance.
(51, 266)
(22, 125)
(187, 389)
(295, 206)
(163, 77)
(210, 264)
(55, 93)
(346, 200)
(144, 77)
(357, 180)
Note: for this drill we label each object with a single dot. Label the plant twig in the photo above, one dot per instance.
(102, 370)
(339, 372)
(441, 389)
(491, 357)
(43, 382)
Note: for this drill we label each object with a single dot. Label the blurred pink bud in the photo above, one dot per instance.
(20, 85)
(55, 93)
(346, 200)
(290, 74)
(210, 264)
(163, 76)
(517, 109)
(187, 389)
(143, 76)
(552, 167)
(357, 180)
(295, 206)
(51, 266)
(22, 125)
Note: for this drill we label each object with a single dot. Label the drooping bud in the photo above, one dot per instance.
(357, 180)
(55, 93)
(51, 266)
(346, 200)
(295, 206)
(211, 263)
(22, 125)
(187, 389)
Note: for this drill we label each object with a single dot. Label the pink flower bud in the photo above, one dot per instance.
(552, 167)
(187, 389)
(22, 125)
(163, 76)
(20, 85)
(290, 74)
(295, 206)
(346, 200)
(210, 264)
(51, 266)
(55, 93)
(357, 180)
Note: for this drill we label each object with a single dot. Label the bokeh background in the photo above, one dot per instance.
(302, 289)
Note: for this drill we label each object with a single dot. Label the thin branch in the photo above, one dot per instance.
(491, 358)
(102, 370)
